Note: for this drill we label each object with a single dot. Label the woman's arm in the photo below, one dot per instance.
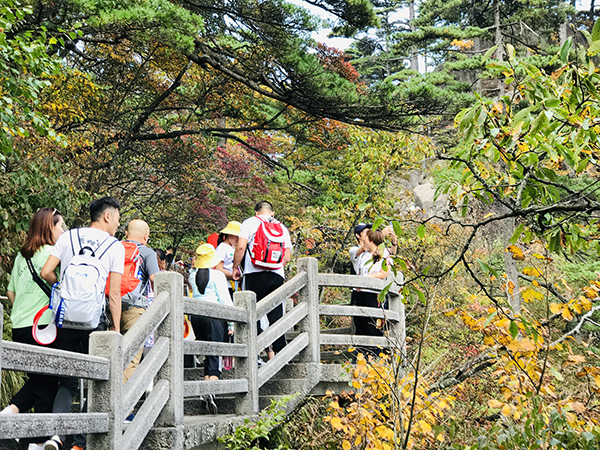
(11, 297)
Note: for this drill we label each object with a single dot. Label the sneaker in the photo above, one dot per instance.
(54, 443)
(129, 418)
(77, 447)
(211, 406)
(260, 361)
(35, 447)
(7, 410)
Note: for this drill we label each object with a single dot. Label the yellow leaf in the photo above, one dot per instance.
(532, 272)
(346, 445)
(505, 411)
(531, 294)
(555, 308)
(358, 440)
(517, 253)
(495, 404)
(535, 283)
(425, 426)
(488, 340)
(567, 315)
(336, 423)
(597, 380)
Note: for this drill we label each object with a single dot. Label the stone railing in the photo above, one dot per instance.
(110, 402)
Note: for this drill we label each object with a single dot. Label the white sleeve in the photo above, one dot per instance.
(248, 229)
(287, 240)
(222, 287)
(61, 244)
(117, 258)
(222, 251)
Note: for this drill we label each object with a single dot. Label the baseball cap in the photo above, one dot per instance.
(361, 227)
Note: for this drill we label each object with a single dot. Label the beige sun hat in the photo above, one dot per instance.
(206, 257)
(233, 228)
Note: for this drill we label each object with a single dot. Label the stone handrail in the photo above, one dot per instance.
(110, 401)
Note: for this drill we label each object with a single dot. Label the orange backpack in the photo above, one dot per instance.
(129, 281)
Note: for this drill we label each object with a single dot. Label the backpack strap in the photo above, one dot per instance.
(107, 248)
(42, 284)
(71, 239)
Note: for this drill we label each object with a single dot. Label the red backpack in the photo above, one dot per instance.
(268, 245)
(129, 281)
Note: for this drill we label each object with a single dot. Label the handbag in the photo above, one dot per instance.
(47, 334)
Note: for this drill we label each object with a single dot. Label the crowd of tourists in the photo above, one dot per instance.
(107, 284)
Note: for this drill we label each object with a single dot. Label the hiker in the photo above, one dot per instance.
(228, 238)
(210, 285)
(82, 305)
(267, 246)
(28, 294)
(135, 302)
(371, 265)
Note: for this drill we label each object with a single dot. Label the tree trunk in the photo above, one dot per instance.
(499, 43)
(510, 267)
(414, 58)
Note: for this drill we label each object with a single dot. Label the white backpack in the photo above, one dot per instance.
(82, 287)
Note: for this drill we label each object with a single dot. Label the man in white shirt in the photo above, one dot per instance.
(104, 214)
(256, 279)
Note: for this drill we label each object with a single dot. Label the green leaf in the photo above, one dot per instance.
(377, 223)
(363, 206)
(490, 318)
(383, 293)
(421, 296)
(522, 114)
(513, 329)
(596, 31)
(397, 228)
(594, 49)
(564, 51)
(510, 51)
(517, 234)
(490, 52)
(556, 374)
(421, 231)
(552, 103)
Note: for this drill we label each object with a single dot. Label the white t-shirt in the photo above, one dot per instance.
(64, 249)
(225, 252)
(367, 266)
(355, 260)
(248, 230)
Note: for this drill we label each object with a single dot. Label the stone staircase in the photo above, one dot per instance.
(172, 416)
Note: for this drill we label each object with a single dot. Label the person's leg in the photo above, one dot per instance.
(74, 341)
(24, 400)
(128, 319)
(262, 284)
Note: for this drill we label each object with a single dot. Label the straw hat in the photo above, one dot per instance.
(232, 228)
(206, 257)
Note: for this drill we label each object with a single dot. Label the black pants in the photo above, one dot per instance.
(262, 284)
(39, 390)
(366, 326)
(73, 341)
(209, 330)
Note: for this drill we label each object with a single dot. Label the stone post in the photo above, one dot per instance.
(309, 294)
(172, 328)
(246, 333)
(106, 396)
(397, 330)
(1, 328)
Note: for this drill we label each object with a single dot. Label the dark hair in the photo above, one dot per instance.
(221, 238)
(161, 254)
(170, 248)
(202, 277)
(100, 205)
(263, 204)
(40, 231)
(376, 237)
